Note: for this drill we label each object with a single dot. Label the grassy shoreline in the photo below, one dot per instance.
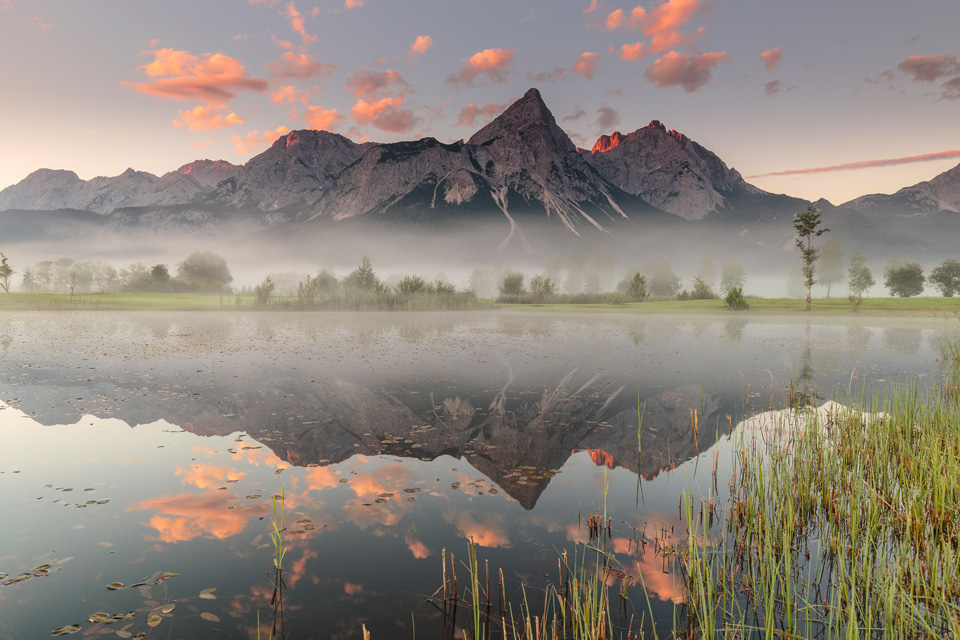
(832, 307)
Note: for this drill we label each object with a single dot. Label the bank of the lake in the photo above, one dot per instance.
(836, 307)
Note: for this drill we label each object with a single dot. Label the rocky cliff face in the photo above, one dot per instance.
(667, 170)
(295, 170)
(933, 196)
(519, 162)
(208, 173)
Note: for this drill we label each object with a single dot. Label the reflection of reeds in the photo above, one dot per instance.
(279, 551)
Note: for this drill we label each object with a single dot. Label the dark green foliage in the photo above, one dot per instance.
(904, 279)
(701, 290)
(541, 288)
(735, 299)
(859, 278)
(5, 272)
(945, 277)
(363, 277)
(263, 291)
(409, 285)
(637, 288)
(205, 272)
(160, 274)
(512, 284)
(807, 226)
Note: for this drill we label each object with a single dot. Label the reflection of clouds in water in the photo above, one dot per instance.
(386, 514)
(417, 548)
(190, 515)
(208, 476)
(490, 533)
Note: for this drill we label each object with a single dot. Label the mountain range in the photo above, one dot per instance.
(518, 169)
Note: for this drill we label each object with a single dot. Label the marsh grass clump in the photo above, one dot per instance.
(735, 299)
(842, 524)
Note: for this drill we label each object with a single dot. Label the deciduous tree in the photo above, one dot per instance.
(808, 226)
(945, 277)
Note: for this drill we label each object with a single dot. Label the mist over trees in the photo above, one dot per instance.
(903, 279)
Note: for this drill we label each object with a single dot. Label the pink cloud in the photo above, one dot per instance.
(203, 144)
(930, 68)
(203, 117)
(866, 164)
(211, 77)
(586, 63)
(420, 46)
(661, 24)
(283, 44)
(365, 83)
(6, 4)
(492, 63)
(254, 140)
(690, 72)
(352, 4)
(297, 23)
(771, 58)
(486, 113)
(288, 94)
(35, 21)
(591, 8)
(386, 114)
(417, 548)
(240, 37)
(323, 119)
(300, 65)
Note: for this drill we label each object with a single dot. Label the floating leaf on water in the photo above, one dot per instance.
(411, 499)
(230, 507)
(257, 540)
(167, 608)
(380, 500)
(138, 584)
(169, 574)
(139, 635)
(207, 594)
(124, 634)
(64, 631)
(99, 617)
(344, 480)
(114, 586)
(154, 620)
(3, 576)
(64, 560)
(492, 490)
(153, 604)
(209, 616)
(40, 567)
(254, 496)
(105, 544)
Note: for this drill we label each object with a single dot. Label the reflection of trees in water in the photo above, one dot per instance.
(636, 331)
(734, 328)
(901, 340)
(5, 342)
(858, 338)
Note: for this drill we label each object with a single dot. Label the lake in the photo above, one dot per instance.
(142, 452)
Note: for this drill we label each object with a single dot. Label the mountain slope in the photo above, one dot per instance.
(942, 193)
(667, 170)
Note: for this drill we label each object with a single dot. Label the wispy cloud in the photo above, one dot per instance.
(865, 164)
(493, 63)
(771, 58)
(420, 46)
(300, 65)
(253, 140)
(212, 77)
(930, 68)
(298, 24)
(365, 83)
(586, 63)
(203, 117)
(37, 22)
(487, 112)
(690, 72)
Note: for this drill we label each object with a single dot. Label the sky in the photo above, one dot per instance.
(815, 99)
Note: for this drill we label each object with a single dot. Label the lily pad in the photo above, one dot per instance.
(207, 594)
(167, 608)
(154, 620)
(65, 631)
(209, 617)
(115, 586)
(99, 617)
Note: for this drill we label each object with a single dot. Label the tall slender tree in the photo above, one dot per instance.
(808, 226)
(5, 272)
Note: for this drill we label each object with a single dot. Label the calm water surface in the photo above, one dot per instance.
(145, 449)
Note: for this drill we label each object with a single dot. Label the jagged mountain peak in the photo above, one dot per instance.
(530, 110)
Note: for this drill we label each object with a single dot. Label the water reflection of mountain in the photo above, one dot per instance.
(517, 443)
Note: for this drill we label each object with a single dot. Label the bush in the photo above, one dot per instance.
(735, 299)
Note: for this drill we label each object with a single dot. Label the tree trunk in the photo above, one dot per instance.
(808, 298)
